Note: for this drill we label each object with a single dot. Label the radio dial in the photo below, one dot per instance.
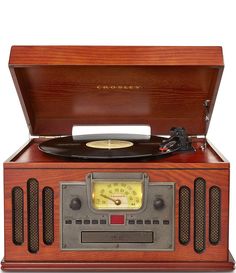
(158, 203)
(75, 204)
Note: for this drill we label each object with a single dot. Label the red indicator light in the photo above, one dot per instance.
(117, 219)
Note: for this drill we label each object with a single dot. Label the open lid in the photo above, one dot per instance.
(164, 87)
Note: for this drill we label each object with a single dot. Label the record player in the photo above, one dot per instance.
(117, 200)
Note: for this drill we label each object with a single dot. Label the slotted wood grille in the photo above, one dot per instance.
(48, 215)
(184, 214)
(33, 215)
(17, 215)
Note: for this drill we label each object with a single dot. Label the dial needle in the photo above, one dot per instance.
(116, 201)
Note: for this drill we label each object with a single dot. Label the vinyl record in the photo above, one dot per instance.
(102, 147)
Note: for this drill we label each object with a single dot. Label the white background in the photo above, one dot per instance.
(123, 22)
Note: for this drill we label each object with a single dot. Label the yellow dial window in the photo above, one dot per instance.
(117, 195)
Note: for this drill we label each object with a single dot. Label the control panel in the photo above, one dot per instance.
(117, 211)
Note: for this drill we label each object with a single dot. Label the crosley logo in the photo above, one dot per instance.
(120, 87)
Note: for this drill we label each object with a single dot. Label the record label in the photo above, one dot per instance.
(109, 144)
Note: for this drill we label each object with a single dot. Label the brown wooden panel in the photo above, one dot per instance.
(52, 178)
(119, 267)
(163, 87)
(118, 55)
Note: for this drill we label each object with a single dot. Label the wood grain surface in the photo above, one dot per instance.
(117, 55)
(163, 87)
(53, 177)
(119, 267)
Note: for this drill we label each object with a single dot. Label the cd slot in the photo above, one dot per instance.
(116, 237)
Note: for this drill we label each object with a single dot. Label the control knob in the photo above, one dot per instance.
(158, 203)
(75, 203)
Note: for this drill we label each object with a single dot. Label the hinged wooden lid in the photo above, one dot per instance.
(61, 86)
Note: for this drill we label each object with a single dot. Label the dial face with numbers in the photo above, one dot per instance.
(117, 195)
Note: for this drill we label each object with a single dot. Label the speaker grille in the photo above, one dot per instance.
(199, 214)
(214, 215)
(184, 214)
(33, 215)
(17, 216)
(48, 215)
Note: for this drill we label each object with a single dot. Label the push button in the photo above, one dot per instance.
(147, 222)
(117, 219)
(103, 222)
(155, 222)
(68, 222)
(166, 222)
(86, 222)
(131, 222)
(78, 222)
(139, 222)
(94, 222)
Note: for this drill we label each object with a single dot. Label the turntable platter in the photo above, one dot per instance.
(112, 146)
(116, 146)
